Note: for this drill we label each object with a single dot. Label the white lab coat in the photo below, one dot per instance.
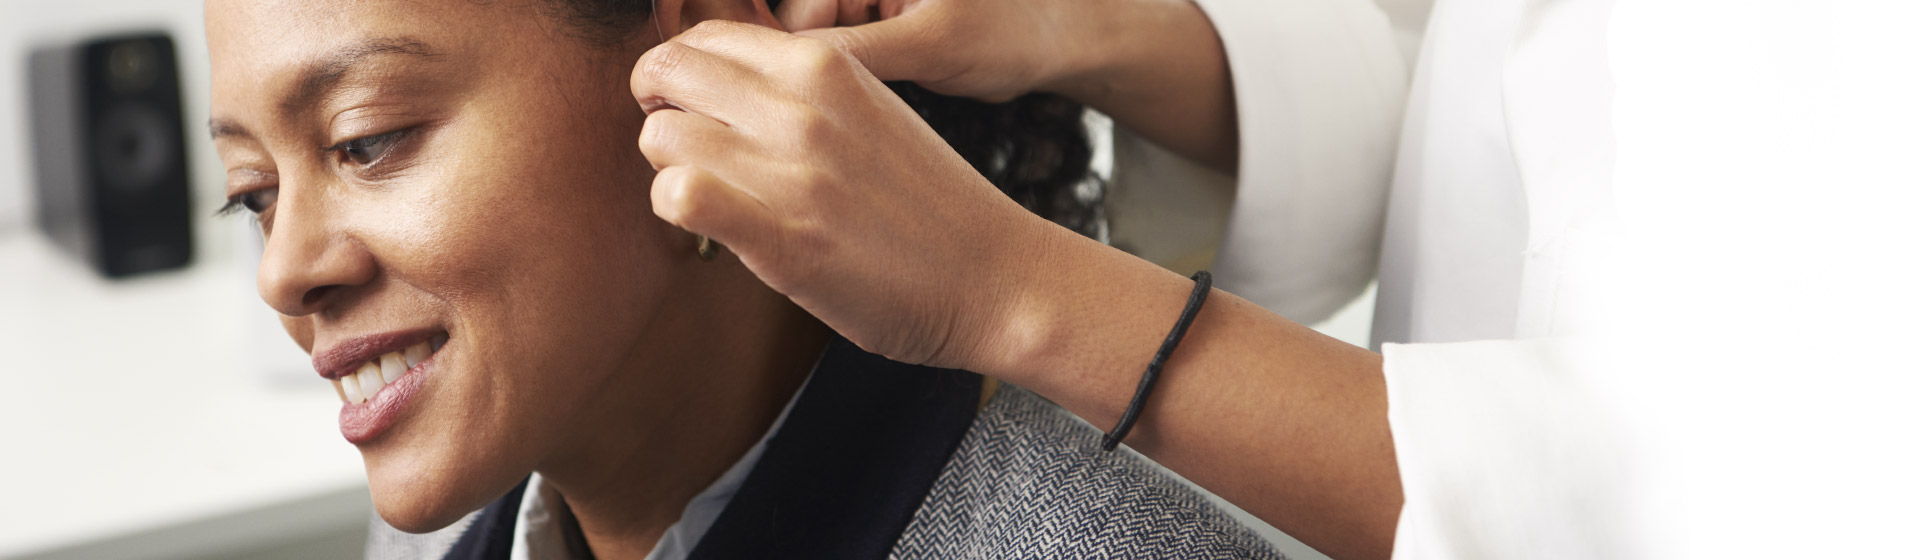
(1756, 399)
(1490, 232)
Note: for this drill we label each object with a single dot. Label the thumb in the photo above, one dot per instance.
(893, 49)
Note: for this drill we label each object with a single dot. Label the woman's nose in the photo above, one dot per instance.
(307, 267)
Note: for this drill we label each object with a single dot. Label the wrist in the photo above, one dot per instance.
(1011, 339)
(1112, 45)
(1159, 69)
(1088, 58)
(1080, 323)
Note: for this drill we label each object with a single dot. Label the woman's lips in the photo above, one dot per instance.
(378, 392)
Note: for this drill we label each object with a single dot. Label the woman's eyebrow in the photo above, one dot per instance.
(320, 78)
(222, 128)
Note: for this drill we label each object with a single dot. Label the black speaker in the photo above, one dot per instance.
(110, 153)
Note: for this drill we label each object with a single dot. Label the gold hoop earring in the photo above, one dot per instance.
(707, 248)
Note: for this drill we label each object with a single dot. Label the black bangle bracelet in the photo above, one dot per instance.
(1202, 284)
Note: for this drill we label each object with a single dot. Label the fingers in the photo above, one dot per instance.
(854, 12)
(700, 202)
(797, 15)
(736, 39)
(677, 74)
(894, 49)
(685, 194)
(670, 138)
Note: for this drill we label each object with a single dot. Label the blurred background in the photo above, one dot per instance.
(162, 414)
(153, 407)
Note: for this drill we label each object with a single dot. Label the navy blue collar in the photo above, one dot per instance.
(840, 478)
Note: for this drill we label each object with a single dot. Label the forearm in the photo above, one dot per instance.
(1157, 67)
(1287, 423)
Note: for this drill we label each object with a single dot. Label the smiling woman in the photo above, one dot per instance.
(532, 364)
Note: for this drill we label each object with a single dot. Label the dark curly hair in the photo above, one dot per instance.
(1034, 148)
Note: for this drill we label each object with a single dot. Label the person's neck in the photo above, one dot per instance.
(702, 394)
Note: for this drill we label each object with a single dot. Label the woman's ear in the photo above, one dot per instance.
(676, 16)
(666, 18)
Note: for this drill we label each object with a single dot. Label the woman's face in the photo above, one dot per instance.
(446, 170)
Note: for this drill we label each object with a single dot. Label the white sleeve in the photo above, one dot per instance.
(1521, 449)
(1319, 87)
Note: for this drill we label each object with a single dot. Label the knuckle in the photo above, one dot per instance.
(820, 58)
(697, 194)
(662, 63)
(708, 28)
(672, 192)
(698, 32)
(656, 135)
(671, 128)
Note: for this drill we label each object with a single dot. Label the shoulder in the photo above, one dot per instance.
(1030, 480)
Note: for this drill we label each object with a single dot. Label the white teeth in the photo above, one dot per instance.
(370, 382)
(391, 366)
(417, 353)
(350, 387)
(361, 385)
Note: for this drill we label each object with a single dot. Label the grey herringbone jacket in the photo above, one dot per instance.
(1030, 481)
(881, 459)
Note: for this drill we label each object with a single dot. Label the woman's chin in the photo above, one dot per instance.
(426, 500)
(411, 519)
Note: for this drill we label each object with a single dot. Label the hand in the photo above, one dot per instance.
(833, 192)
(991, 50)
(1155, 66)
(830, 189)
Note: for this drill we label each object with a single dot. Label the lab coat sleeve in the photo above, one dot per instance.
(1518, 449)
(1319, 87)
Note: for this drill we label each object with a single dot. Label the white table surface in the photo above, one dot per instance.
(139, 420)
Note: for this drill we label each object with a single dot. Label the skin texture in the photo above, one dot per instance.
(907, 254)
(585, 337)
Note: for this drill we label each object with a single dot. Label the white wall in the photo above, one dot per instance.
(27, 23)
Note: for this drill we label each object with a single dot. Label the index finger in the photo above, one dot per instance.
(801, 15)
(675, 74)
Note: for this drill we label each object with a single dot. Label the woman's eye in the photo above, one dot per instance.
(367, 150)
(255, 201)
(260, 200)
